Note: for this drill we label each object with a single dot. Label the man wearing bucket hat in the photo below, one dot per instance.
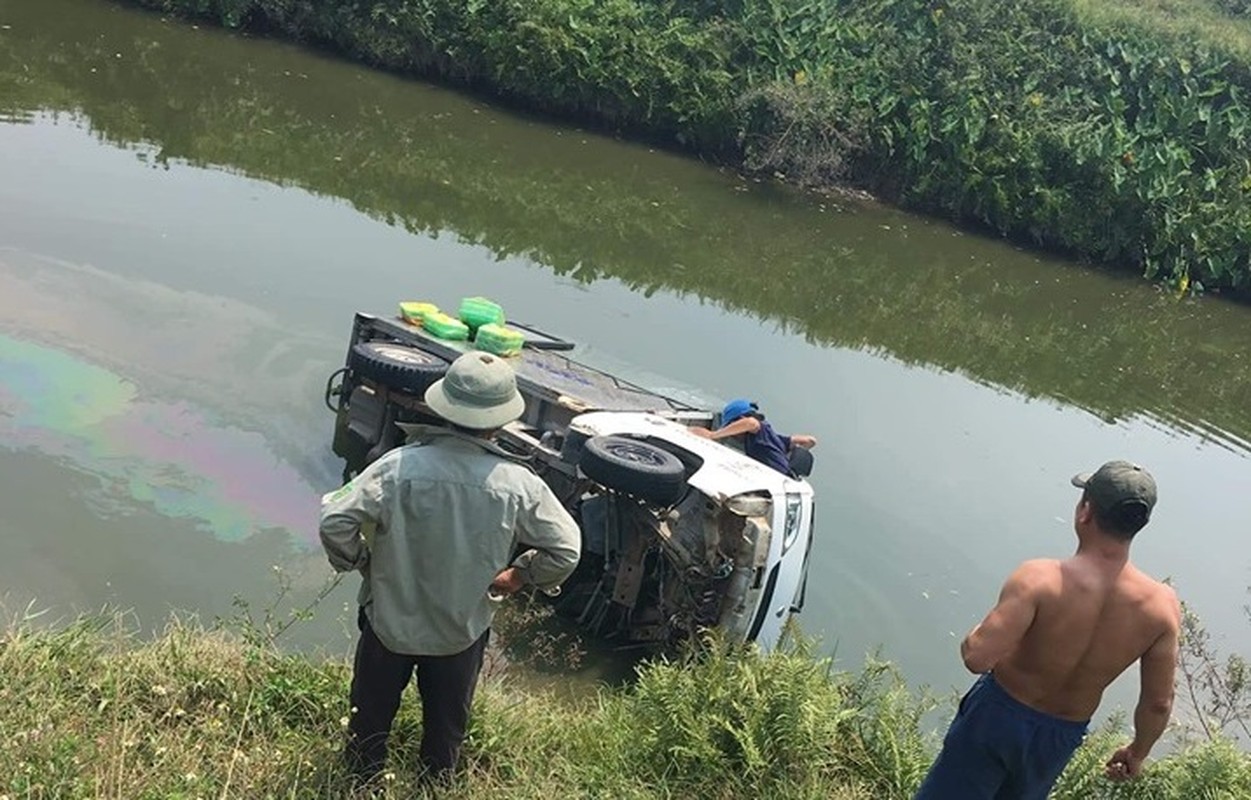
(1061, 632)
(431, 527)
(761, 442)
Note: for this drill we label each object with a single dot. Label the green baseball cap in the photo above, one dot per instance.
(1117, 483)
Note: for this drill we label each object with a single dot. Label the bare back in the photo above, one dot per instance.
(1091, 621)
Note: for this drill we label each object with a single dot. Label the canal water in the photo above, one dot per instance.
(189, 219)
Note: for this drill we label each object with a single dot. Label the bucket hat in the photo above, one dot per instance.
(478, 392)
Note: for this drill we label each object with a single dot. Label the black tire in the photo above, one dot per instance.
(396, 366)
(571, 447)
(635, 468)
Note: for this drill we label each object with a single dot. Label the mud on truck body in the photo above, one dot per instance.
(679, 532)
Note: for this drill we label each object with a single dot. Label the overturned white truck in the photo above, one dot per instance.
(679, 532)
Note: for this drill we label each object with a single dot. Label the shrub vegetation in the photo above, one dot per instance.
(1111, 129)
(89, 711)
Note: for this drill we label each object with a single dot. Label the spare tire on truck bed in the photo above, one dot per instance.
(396, 366)
(635, 468)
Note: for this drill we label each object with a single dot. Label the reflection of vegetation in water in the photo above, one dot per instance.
(430, 163)
(1076, 124)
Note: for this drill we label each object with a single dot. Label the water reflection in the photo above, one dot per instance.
(841, 273)
(220, 303)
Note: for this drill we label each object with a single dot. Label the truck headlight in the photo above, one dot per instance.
(794, 515)
(750, 505)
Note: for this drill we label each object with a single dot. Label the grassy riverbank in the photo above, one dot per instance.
(88, 711)
(1113, 130)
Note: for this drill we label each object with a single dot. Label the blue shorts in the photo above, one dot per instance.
(1000, 749)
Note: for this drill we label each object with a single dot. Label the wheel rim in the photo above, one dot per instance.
(636, 453)
(404, 355)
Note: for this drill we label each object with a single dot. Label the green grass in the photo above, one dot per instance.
(1222, 24)
(89, 711)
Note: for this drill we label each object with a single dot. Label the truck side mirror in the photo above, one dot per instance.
(801, 461)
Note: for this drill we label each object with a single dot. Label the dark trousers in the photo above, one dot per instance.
(998, 748)
(446, 685)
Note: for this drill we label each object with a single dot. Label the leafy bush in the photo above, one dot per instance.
(1081, 126)
(90, 711)
(1237, 7)
(1215, 770)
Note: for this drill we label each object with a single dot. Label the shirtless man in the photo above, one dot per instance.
(1060, 633)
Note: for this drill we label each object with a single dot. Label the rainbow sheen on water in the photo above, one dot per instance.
(168, 456)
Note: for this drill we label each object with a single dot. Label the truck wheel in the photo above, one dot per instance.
(396, 366)
(635, 468)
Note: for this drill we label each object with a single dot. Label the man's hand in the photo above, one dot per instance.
(804, 440)
(1123, 766)
(702, 433)
(507, 582)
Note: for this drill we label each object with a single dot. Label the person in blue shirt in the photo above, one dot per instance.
(761, 441)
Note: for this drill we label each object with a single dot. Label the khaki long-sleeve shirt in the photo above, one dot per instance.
(429, 526)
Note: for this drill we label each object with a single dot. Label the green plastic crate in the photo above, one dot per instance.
(442, 326)
(478, 311)
(415, 312)
(499, 340)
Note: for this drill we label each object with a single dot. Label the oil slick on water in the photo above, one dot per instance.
(168, 456)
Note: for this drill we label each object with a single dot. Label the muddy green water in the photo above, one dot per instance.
(188, 220)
